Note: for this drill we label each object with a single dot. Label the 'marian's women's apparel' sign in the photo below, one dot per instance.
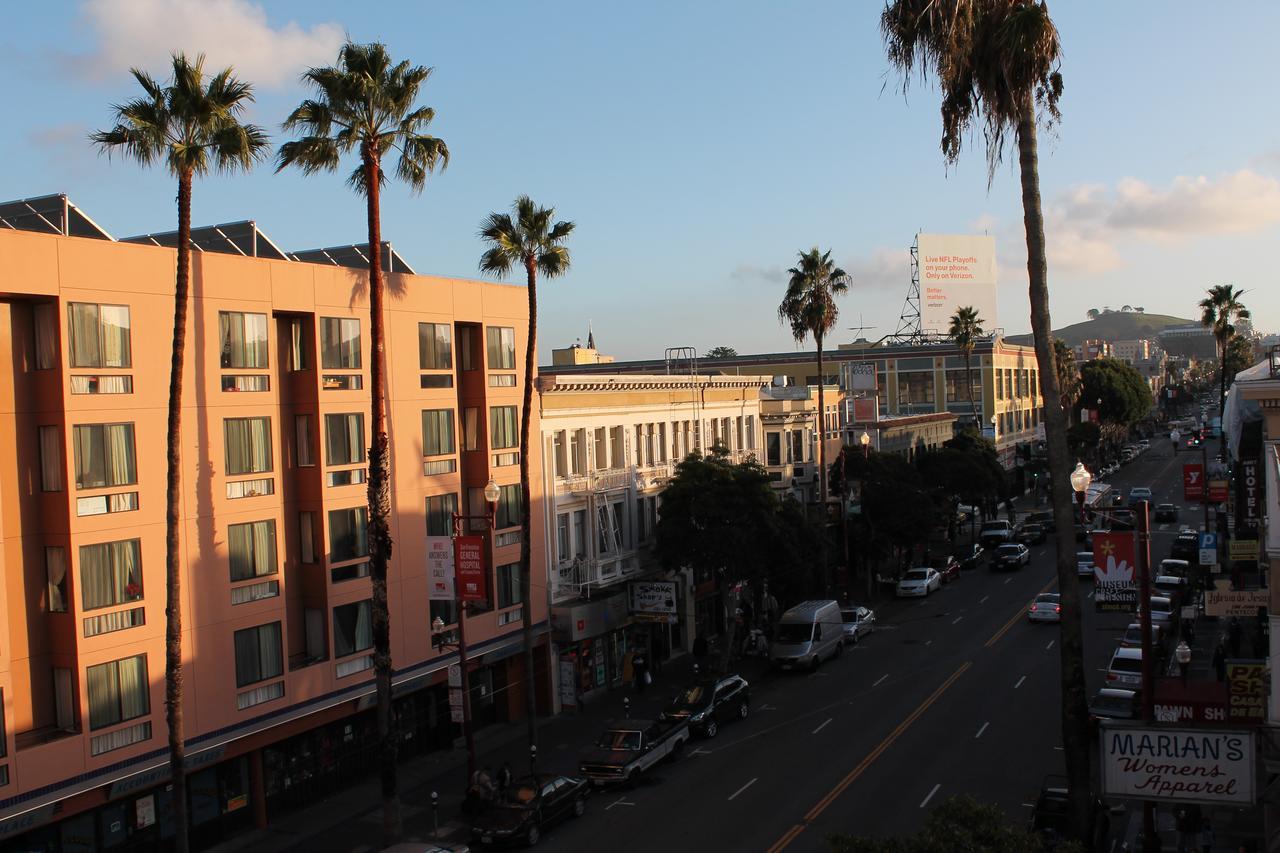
(1178, 765)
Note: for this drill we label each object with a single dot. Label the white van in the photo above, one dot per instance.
(806, 634)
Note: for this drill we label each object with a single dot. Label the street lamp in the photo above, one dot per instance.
(533, 759)
(865, 441)
(491, 495)
(1080, 480)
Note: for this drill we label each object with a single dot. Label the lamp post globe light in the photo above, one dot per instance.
(1080, 480)
(491, 492)
(865, 441)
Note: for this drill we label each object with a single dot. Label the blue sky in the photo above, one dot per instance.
(700, 145)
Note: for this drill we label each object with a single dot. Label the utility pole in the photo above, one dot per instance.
(1150, 843)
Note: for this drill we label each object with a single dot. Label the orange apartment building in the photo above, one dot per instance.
(276, 621)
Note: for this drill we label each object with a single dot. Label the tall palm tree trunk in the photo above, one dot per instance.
(1075, 733)
(173, 521)
(526, 517)
(379, 509)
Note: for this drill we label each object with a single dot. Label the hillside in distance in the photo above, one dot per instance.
(1115, 326)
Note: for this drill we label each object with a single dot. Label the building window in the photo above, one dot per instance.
(435, 350)
(258, 654)
(773, 448)
(437, 432)
(502, 347)
(55, 569)
(348, 534)
(467, 347)
(45, 319)
(50, 459)
(98, 335)
(563, 541)
(248, 445)
(307, 536)
(440, 510)
(509, 509)
(915, 387)
(304, 447)
(446, 610)
(253, 549)
(110, 573)
(104, 455)
(502, 380)
(344, 439)
(244, 339)
(118, 691)
(509, 585)
(339, 343)
(352, 628)
(299, 344)
(618, 447)
(504, 429)
(580, 533)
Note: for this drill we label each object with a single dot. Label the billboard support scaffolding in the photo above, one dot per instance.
(909, 330)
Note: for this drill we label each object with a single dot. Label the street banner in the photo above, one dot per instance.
(1193, 482)
(1185, 765)
(1115, 571)
(652, 596)
(469, 568)
(1247, 691)
(439, 568)
(1217, 478)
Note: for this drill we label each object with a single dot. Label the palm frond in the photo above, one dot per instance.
(525, 236)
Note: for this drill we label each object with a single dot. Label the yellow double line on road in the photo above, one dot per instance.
(995, 638)
(866, 762)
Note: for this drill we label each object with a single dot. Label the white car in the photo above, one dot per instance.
(857, 621)
(1046, 608)
(1084, 564)
(919, 582)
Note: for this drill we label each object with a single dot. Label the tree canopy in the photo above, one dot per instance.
(1125, 395)
(1239, 356)
(721, 352)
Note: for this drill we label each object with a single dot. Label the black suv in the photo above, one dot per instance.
(1186, 547)
(709, 703)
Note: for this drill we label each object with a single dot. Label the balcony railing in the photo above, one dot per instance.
(1273, 359)
(572, 580)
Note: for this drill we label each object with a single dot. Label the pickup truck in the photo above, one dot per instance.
(630, 747)
(995, 534)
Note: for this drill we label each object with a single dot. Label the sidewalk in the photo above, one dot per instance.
(351, 820)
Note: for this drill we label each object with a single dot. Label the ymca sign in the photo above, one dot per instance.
(1193, 482)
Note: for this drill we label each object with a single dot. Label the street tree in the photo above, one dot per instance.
(1118, 391)
(1218, 311)
(809, 308)
(965, 329)
(1239, 356)
(1064, 361)
(531, 239)
(192, 125)
(996, 63)
(366, 104)
(897, 503)
(1083, 438)
(958, 823)
(721, 352)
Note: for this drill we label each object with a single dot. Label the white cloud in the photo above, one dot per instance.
(884, 269)
(143, 33)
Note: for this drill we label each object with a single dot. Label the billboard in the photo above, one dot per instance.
(862, 376)
(956, 270)
(1114, 563)
(1200, 765)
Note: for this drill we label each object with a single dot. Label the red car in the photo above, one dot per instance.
(948, 567)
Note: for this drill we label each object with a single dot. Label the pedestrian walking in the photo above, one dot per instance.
(640, 671)
(1220, 662)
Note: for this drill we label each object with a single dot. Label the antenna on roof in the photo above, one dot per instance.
(860, 328)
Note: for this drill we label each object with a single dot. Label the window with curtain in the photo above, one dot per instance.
(509, 510)
(299, 344)
(773, 448)
(104, 455)
(45, 319)
(248, 445)
(55, 568)
(98, 335)
(509, 585)
(307, 536)
(437, 432)
(252, 547)
(563, 546)
(352, 628)
(470, 428)
(467, 347)
(504, 428)
(344, 439)
(50, 459)
(258, 654)
(244, 339)
(340, 343)
(618, 446)
(348, 534)
(435, 349)
(304, 447)
(580, 533)
(110, 573)
(440, 510)
(502, 347)
(118, 691)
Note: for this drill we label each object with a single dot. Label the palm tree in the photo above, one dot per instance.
(1218, 310)
(365, 104)
(1064, 361)
(966, 328)
(193, 126)
(996, 63)
(529, 240)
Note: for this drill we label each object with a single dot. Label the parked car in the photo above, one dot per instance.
(1032, 534)
(709, 703)
(1052, 819)
(1166, 512)
(630, 747)
(530, 806)
(1162, 610)
(1177, 568)
(1132, 637)
(1171, 587)
(807, 634)
(972, 557)
(1046, 608)
(1125, 669)
(1138, 494)
(1186, 546)
(1084, 564)
(1010, 557)
(919, 582)
(948, 567)
(995, 533)
(858, 621)
(1113, 703)
(1041, 517)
